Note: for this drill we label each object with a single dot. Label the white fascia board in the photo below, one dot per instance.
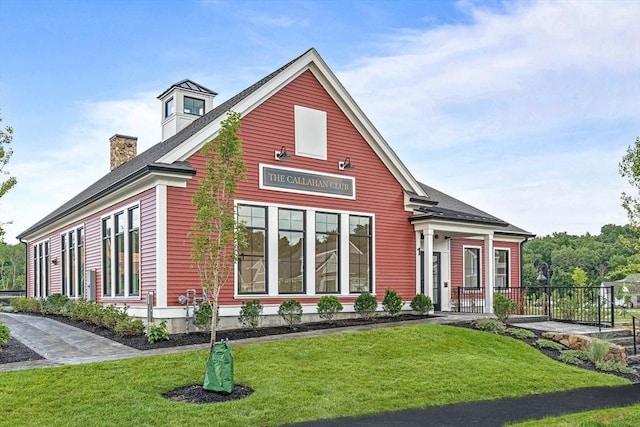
(453, 227)
(313, 62)
(136, 187)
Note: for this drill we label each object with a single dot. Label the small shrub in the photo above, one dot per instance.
(83, 311)
(110, 315)
(520, 333)
(250, 313)
(129, 327)
(27, 305)
(598, 350)
(503, 307)
(5, 334)
(421, 303)
(328, 307)
(291, 312)
(202, 316)
(56, 304)
(157, 333)
(549, 344)
(366, 305)
(392, 302)
(489, 325)
(574, 357)
(615, 367)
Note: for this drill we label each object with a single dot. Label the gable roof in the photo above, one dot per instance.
(169, 154)
(443, 206)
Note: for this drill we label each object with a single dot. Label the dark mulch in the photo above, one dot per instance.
(197, 394)
(15, 351)
(177, 340)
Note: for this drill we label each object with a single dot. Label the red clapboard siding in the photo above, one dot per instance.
(265, 130)
(457, 260)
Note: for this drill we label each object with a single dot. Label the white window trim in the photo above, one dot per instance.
(310, 283)
(125, 211)
(508, 250)
(37, 286)
(464, 276)
(63, 259)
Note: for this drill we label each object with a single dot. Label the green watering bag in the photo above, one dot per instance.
(219, 374)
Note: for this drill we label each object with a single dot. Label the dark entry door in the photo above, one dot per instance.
(437, 282)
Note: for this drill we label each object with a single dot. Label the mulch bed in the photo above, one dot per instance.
(15, 351)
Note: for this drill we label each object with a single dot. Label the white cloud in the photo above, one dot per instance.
(523, 113)
(49, 177)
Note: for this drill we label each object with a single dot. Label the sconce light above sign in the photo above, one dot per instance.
(282, 154)
(346, 164)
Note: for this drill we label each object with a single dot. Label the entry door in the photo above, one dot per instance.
(437, 282)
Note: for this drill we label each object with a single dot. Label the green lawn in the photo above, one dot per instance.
(616, 417)
(295, 380)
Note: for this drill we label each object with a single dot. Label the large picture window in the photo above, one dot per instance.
(472, 268)
(41, 269)
(501, 268)
(193, 106)
(291, 257)
(121, 253)
(72, 257)
(252, 261)
(327, 252)
(359, 253)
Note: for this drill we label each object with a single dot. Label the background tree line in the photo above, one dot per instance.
(12, 267)
(585, 260)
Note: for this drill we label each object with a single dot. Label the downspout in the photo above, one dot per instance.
(522, 261)
(26, 267)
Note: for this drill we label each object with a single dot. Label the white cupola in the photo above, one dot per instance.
(183, 103)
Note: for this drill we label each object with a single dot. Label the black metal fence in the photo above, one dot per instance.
(587, 305)
(7, 296)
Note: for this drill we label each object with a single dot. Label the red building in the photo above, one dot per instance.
(329, 210)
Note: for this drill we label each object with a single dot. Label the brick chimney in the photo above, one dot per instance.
(123, 149)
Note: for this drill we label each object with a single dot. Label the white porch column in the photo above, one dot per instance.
(489, 272)
(428, 263)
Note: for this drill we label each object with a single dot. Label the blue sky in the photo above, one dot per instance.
(520, 108)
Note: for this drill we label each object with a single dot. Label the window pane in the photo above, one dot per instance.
(327, 253)
(193, 106)
(290, 251)
(80, 262)
(359, 260)
(63, 259)
(501, 268)
(169, 107)
(252, 263)
(471, 267)
(106, 256)
(134, 266)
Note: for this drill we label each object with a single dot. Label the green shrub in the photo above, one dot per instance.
(328, 307)
(129, 327)
(503, 307)
(574, 357)
(421, 303)
(5, 334)
(202, 316)
(56, 304)
(157, 333)
(366, 305)
(27, 305)
(108, 316)
(520, 333)
(291, 312)
(489, 325)
(598, 350)
(250, 313)
(549, 344)
(392, 302)
(615, 367)
(83, 310)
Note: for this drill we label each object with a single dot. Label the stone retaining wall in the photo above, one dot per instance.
(582, 342)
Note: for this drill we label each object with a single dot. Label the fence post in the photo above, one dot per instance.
(547, 302)
(613, 307)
